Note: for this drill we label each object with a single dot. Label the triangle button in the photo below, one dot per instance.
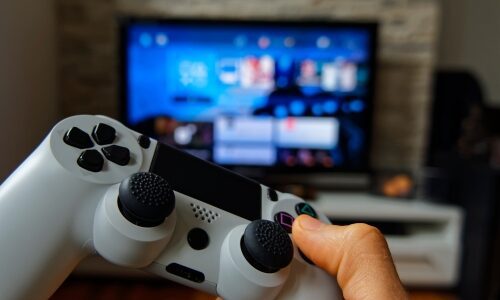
(305, 208)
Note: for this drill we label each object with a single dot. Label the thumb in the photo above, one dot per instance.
(357, 254)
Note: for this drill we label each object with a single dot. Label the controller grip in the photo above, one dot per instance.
(238, 279)
(42, 237)
(305, 282)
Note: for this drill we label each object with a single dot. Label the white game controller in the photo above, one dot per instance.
(94, 186)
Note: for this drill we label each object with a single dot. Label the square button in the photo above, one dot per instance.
(285, 220)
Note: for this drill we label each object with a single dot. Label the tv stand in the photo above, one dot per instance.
(320, 181)
(424, 238)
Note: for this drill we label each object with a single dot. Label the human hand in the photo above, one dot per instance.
(357, 254)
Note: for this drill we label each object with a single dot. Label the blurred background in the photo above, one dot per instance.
(379, 111)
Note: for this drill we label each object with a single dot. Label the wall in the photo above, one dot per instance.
(470, 38)
(28, 106)
(88, 63)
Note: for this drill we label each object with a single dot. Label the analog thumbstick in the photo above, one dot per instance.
(145, 199)
(266, 246)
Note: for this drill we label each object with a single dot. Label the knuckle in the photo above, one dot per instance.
(366, 242)
(361, 231)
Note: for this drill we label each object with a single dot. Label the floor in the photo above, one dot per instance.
(77, 288)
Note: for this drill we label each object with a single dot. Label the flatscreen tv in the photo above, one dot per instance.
(265, 97)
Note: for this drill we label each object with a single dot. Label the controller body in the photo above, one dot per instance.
(60, 206)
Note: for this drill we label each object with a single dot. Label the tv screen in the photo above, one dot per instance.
(292, 96)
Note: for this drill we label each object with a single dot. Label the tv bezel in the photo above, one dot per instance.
(261, 171)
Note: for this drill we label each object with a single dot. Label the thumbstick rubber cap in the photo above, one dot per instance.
(145, 199)
(266, 246)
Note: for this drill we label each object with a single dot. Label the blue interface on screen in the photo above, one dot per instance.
(250, 94)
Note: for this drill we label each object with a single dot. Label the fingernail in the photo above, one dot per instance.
(309, 223)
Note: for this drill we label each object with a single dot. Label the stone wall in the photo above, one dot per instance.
(88, 57)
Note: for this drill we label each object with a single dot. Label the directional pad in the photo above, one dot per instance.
(117, 154)
(74, 146)
(103, 134)
(305, 208)
(91, 160)
(78, 138)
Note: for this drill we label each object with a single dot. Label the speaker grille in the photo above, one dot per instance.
(204, 214)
